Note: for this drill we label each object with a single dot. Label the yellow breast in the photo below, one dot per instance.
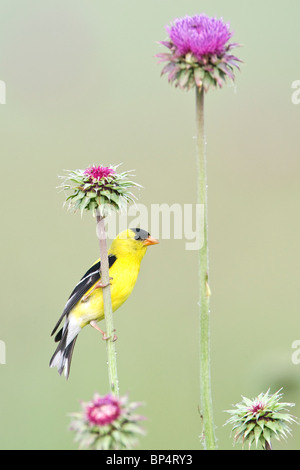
(124, 273)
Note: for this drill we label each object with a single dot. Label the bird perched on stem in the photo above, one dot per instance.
(85, 304)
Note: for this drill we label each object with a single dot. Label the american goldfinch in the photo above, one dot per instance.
(85, 304)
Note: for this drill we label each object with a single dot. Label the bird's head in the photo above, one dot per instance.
(133, 241)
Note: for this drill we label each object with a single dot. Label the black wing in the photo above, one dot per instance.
(85, 283)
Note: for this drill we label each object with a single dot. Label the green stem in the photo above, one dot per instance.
(205, 383)
(104, 273)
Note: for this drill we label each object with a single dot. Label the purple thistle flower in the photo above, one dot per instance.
(103, 410)
(199, 52)
(256, 407)
(99, 172)
(107, 423)
(199, 35)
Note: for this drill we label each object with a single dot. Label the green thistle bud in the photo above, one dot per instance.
(262, 419)
(98, 189)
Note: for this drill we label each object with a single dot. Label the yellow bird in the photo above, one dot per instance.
(85, 304)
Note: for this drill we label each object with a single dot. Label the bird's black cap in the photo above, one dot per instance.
(140, 234)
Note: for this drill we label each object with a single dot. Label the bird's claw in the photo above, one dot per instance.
(104, 336)
(96, 286)
(99, 284)
(115, 337)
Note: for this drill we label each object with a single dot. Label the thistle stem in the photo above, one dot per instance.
(204, 291)
(104, 273)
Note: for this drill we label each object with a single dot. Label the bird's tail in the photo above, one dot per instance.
(64, 351)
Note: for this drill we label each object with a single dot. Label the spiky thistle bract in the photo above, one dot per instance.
(98, 188)
(260, 420)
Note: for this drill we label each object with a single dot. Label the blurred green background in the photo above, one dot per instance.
(83, 87)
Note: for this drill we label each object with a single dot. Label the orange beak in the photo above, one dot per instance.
(150, 241)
